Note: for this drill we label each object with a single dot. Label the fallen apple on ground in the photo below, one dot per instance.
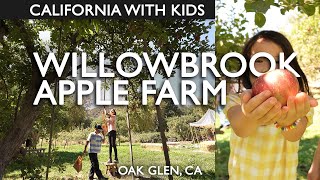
(282, 84)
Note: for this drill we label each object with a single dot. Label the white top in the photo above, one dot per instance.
(112, 123)
(95, 141)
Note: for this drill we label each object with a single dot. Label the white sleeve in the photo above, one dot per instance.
(89, 137)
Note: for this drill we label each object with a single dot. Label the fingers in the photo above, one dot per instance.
(246, 96)
(313, 102)
(256, 101)
(275, 117)
(291, 104)
(303, 99)
(307, 104)
(296, 108)
(266, 107)
(291, 109)
(284, 112)
(282, 120)
(300, 103)
(272, 116)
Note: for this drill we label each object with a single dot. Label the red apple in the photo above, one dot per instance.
(282, 83)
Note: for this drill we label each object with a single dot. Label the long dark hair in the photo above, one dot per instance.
(287, 49)
(114, 111)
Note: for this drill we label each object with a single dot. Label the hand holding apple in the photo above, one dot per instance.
(297, 107)
(262, 109)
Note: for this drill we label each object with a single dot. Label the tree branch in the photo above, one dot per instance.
(5, 85)
(74, 43)
(53, 75)
(29, 44)
(18, 102)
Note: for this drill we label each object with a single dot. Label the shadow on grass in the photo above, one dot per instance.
(306, 151)
(35, 161)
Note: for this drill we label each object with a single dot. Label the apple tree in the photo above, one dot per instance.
(20, 78)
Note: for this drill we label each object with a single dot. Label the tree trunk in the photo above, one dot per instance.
(130, 139)
(15, 136)
(163, 135)
(51, 131)
(160, 121)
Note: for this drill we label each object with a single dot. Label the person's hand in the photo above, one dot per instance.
(313, 173)
(262, 109)
(84, 151)
(103, 133)
(297, 107)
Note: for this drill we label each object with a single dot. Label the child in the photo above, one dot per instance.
(258, 149)
(94, 140)
(112, 130)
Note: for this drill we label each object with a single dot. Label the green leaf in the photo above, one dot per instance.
(261, 6)
(283, 11)
(258, 6)
(244, 21)
(249, 7)
(222, 48)
(301, 2)
(309, 9)
(270, 1)
(259, 19)
(90, 32)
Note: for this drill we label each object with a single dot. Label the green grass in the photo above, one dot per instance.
(182, 157)
(212, 168)
(308, 145)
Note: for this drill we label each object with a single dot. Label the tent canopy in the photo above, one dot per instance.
(207, 120)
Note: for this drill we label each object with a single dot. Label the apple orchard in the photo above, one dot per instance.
(189, 69)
